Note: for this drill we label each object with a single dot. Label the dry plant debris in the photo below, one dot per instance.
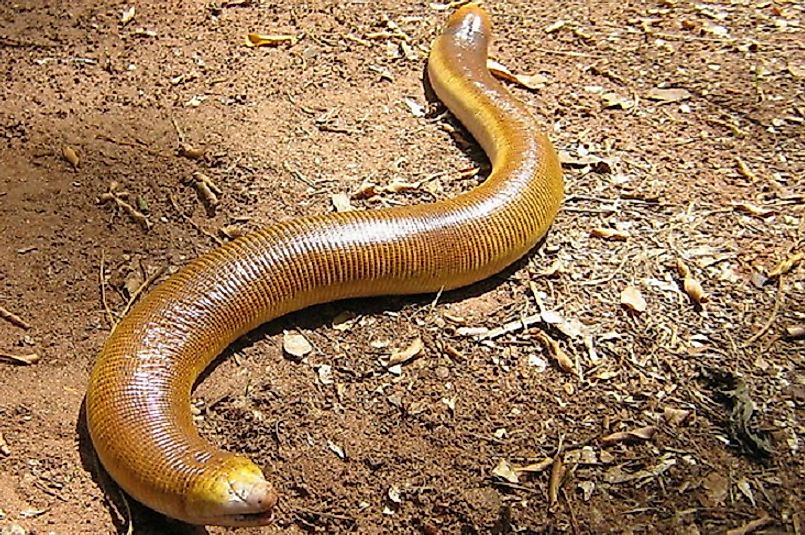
(71, 156)
(207, 190)
(632, 298)
(529, 81)
(742, 409)
(26, 359)
(648, 104)
(14, 319)
(254, 40)
(296, 345)
(119, 198)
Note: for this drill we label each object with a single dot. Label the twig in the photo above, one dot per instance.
(129, 518)
(195, 225)
(31, 358)
(751, 526)
(102, 281)
(117, 197)
(573, 522)
(774, 311)
(179, 133)
(146, 283)
(14, 319)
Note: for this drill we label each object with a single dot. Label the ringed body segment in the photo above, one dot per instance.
(138, 400)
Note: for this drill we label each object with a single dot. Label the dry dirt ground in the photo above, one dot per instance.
(681, 127)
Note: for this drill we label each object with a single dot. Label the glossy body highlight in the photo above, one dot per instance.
(138, 400)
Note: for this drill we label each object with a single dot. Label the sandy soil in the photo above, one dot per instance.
(482, 432)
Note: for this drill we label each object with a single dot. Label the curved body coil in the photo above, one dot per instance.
(138, 402)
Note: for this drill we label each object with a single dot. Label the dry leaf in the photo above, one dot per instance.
(694, 290)
(257, 39)
(717, 487)
(668, 95)
(610, 234)
(189, 151)
(406, 354)
(746, 490)
(231, 231)
(797, 70)
(295, 345)
(616, 474)
(398, 186)
(505, 471)
(534, 468)
(556, 351)
(558, 472)
(587, 488)
(444, 7)
(795, 332)
(633, 299)
(715, 29)
(127, 16)
(675, 416)
(338, 450)
(614, 100)
(416, 109)
(70, 155)
(341, 202)
(394, 494)
(641, 433)
(366, 191)
(529, 81)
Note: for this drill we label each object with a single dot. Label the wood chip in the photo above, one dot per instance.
(641, 433)
(665, 95)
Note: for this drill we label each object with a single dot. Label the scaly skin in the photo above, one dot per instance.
(138, 402)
